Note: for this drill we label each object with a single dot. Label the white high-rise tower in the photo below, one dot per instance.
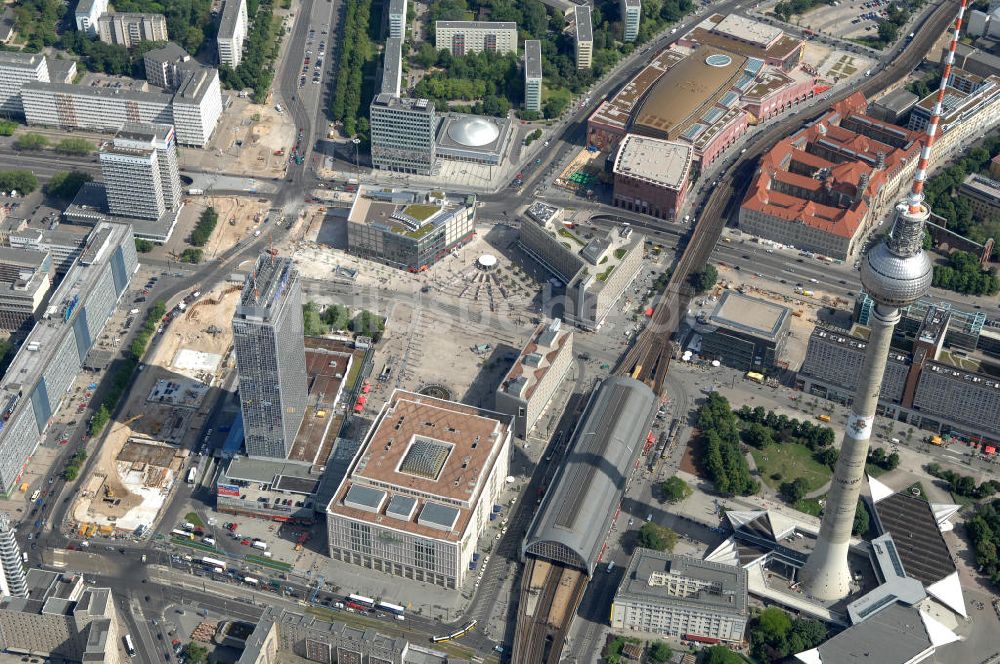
(13, 579)
(895, 273)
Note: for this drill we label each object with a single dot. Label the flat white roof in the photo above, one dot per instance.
(654, 160)
(745, 29)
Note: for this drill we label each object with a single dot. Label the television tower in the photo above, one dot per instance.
(896, 273)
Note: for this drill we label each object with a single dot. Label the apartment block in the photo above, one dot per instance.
(584, 36)
(63, 244)
(397, 19)
(25, 279)
(87, 12)
(162, 139)
(132, 182)
(55, 350)
(129, 29)
(533, 75)
(392, 66)
(17, 69)
(13, 577)
(269, 344)
(462, 37)
(232, 32)
(529, 385)
(61, 618)
(402, 134)
(983, 194)
(165, 65)
(631, 13)
(663, 594)
(194, 108)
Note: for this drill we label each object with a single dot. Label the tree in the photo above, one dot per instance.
(195, 654)
(769, 634)
(892, 461)
(7, 127)
(721, 655)
(99, 420)
(675, 489)
(66, 184)
(427, 55)
(861, 519)
(656, 537)
(887, 32)
(20, 180)
(30, 142)
(793, 492)
(143, 246)
(203, 229)
(660, 652)
(805, 635)
(704, 280)
(191, 255)
(828, 456)
(757, 435)
(554, 106)
(75, 146)
(336, 316)
(312, 323)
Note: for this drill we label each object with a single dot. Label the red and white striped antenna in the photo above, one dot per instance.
(916, 195)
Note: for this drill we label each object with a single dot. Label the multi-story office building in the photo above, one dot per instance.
(270, 357)
(132, 182)
(533, 75)
(128, 29)
(983, 194)
(397, 19)
(420, 490)
(651, 175)
(194, 108)
(462, 37)
(744, 332)
(971, 109)
(24, 283)
(526, 390)
(402, 134)
(631, 13)
(584, 34)
(232, 32)
(592, 272)
(406, 229)
(16, 69)
(663, 594)
(64, 243)
(160, 138)
(825, 187)
(41, 373)
(164, 65)
(924, 385)
(61, 618)
(87, 12)
(13, 578)
(282, 634)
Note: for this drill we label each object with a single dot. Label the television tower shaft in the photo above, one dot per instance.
(896, 273)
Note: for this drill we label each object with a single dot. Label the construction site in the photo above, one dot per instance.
(146, 451)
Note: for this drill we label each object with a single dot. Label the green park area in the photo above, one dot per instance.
(790, 461)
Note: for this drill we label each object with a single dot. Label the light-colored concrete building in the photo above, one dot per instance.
(533, 75)
(402, 134)
(54, 352)
(165, 65)
(60, 617)
(397, 19)
(592, 273)
(13, 577)
(194, 108)
(631, 14)
(232, 32)
(128, 29)
(132, 182)
(584, 36)
(25, 279)
(17, 69)
(392, 66)
(420, 490)
(651, 175)
(462, 37)
(663, 594)
(529, 385)
(983, 194)
(87, 12)
(746, 333)
(163, 140)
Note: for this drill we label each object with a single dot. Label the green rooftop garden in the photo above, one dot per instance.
(421, 211)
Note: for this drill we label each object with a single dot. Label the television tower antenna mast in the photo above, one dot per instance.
(895, 273)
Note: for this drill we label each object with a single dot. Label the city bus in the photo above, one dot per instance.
(183, 534)
(212, 562)
(398, 611)
(250, 581)
(359, 603)
(192, 473)
(129, 646)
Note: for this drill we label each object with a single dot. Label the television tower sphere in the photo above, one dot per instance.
(898, 272)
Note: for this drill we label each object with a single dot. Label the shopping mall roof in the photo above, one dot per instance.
(573, 520)
(654, 160)
(683, 94)
(616, 111)
(437, 453)
(745, 36)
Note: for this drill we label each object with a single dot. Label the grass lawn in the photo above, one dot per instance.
(194, 545)
(809, 506)
(873, 470)
(195, 519)
(792, 460)
(352, 376)
(268, 562)
(421, 211)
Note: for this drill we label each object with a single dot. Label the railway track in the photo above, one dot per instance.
(649, 356)
(550, 596)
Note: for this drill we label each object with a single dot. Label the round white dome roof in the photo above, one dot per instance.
(473, 132)
(487, 260)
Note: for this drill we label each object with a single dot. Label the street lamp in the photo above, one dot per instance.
(357, 169)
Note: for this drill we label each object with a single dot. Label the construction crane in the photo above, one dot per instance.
(133, 419)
